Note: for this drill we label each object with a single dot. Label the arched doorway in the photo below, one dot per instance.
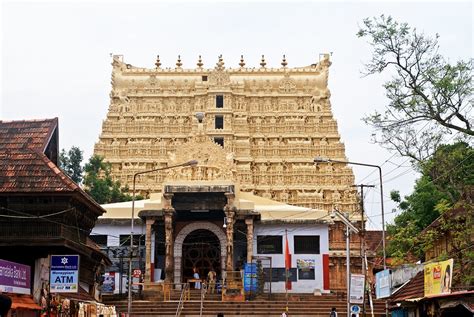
(201, 250)
(181, 236)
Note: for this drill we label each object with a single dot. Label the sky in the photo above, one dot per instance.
(56, 60)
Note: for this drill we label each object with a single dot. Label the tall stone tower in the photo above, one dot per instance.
(271, 121)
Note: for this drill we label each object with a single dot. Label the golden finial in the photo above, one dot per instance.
(157, 63)
(263, 63)
(283, 62)
(220, 63)
(242, 63)
(178, 63)
(199, 63)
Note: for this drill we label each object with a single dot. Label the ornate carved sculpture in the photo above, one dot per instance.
(275, 122)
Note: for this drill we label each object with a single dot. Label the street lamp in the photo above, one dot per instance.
(328, 160)
(189, 163)
(349, 227)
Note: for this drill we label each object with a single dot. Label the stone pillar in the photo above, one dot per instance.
(230, 214)
(169, 241)
(148, 249)
(249, 223)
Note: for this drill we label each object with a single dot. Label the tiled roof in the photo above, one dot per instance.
(31, 134)
(24, 167)
(413, 289)
(31, 171)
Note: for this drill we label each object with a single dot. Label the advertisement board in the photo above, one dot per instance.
(438, 276)
(108, 286)
(15, 278)
(383, 284)
(250, 277)
(64, 274)
(357, 288)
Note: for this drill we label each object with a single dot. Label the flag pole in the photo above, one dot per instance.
(286, 270)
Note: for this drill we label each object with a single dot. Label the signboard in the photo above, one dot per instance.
(250, 277)
(383, 284)
(357, 288)
(305, 263)
(64, 274)
(15, 278)
(279, 274)
(306, 269)
(108, 286)
(438, 276)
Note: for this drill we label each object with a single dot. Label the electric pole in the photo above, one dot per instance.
(362, 237)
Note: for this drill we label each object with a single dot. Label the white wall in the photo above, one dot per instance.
(278, 260)
(114, 232)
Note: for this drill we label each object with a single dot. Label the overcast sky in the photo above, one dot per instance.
(56, 59)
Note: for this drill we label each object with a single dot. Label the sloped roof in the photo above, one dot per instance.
(24, 167)
(31, 134)
(270, 210)
(30, 171)
(414, 289)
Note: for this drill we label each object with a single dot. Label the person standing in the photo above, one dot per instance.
(211, 279)
(333, 312)
(197, 282)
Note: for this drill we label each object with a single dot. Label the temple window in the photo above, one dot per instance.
(269, 244)
(219, 101)
(100, 239)
(219, 122)
(306, 244)
(219, 140)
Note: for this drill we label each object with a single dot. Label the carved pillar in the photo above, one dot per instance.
(249, 223)
(169, 242)
(230, 214)
(148, 250)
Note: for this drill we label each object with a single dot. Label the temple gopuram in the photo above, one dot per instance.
(255, 133)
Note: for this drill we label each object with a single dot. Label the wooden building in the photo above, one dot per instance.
(42, 211)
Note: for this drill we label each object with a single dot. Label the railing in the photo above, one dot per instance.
(184, 292)
(203, 295)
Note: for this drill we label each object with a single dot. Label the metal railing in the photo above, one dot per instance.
(184, 294)
(203, 295)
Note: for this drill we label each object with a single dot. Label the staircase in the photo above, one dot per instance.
(298, 305)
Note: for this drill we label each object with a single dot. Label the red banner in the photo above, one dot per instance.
(287, 263)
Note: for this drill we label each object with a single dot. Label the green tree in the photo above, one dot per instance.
(429, 98)
(446, 178)
(70, 162)
(99, 184)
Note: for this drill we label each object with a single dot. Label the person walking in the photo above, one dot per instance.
(333, 312)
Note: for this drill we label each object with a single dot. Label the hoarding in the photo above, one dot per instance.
(15, 278)
(383, 284)
(357, 288)
(438, 276)
(250, 277)
(64, 274)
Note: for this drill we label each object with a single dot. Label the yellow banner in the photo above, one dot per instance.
(438, 276)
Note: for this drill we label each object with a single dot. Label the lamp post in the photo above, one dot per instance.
(328, 160)
(189, 163)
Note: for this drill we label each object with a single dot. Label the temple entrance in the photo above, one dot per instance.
(201, 250)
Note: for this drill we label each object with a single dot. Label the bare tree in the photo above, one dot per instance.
(429, 98)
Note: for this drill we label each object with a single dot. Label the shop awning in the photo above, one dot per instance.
(23, 302)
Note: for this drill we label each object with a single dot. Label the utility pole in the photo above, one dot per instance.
(362, 237)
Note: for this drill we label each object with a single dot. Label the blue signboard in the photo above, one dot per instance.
(250, 277)
(382, 284)
(64, 274)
